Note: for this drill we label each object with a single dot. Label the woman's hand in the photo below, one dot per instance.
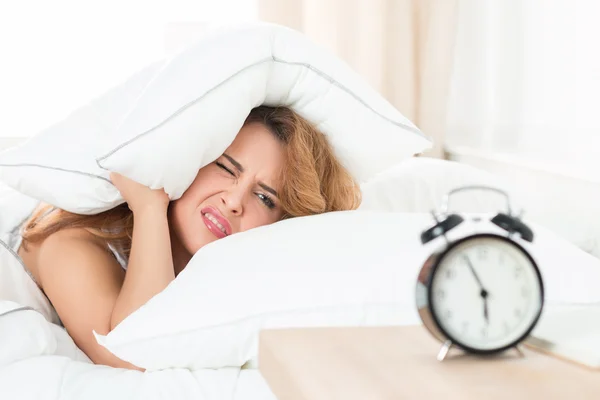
(150, 267)
(140, 197)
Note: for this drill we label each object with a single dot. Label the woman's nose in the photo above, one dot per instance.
(232, 201)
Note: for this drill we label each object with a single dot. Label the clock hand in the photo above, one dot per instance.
(484, 293)
(473, 272)
(486, 314)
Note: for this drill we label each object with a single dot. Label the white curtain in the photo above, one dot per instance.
(403, 48)
(526, 80)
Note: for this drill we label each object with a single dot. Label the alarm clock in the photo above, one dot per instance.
(480, 290)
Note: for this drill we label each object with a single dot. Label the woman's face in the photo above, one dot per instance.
(235, 193)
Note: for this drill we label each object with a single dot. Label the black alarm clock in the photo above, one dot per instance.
(480, 290)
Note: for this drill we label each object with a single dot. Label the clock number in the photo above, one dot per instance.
(484, 332)
(525, 292)
(440, 294)
(447, 314)
(465, 327)
(482, 253)
(518, 271)
(501, 259)
(506, 328)
(518, 312)
(450, 273)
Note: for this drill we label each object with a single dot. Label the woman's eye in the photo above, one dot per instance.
(266, 200)
(225, 168)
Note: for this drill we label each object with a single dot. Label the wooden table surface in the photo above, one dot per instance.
(400, 363)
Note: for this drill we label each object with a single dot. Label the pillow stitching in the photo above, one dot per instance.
(12, 252)
(22, 308)
(20, 261)
(274, 59)
(18, 226)
(176, 113)
(57, 169)
(356, 97)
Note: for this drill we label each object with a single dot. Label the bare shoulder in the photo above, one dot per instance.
(65, 248)
(76, 261)
(83, 281)
(70, 236)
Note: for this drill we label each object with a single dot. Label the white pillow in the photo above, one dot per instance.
(353, 268)
(24, 333)
(179, 114)
(58, 165)
(15, 284)
(419, 184)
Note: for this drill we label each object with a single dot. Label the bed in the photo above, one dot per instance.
(38, 359)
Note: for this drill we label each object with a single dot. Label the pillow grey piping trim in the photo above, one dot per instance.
(11, 251)
(19, 260)
(355, 96)
(24, 308)
(277, 60)
(176, 113)
(58, 169)
(16, 256)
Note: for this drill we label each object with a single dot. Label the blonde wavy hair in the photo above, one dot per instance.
(313, 182)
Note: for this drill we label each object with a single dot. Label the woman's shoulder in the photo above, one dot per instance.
(72, 236)
(74, 246)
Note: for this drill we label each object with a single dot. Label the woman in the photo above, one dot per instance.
(96, 270)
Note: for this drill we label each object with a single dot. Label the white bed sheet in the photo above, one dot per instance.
(38, 360)
(59, 378)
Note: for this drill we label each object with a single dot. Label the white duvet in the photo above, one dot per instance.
(60, 377)
(39, 360)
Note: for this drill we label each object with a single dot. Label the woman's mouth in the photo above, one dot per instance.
(215, 222)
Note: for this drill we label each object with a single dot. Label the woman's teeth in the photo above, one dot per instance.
(212, 219)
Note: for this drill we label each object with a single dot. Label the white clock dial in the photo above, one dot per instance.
(486, 293)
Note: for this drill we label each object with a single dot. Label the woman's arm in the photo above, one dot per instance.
(150, 267)
(86, 285)
(82, 280)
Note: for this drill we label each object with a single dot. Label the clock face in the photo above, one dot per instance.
(486, 293)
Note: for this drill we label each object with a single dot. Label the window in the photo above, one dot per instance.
(527, 79)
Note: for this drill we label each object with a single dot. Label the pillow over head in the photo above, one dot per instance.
(179, 114)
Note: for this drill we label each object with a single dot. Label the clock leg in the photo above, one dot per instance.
(518, 349)
(444, 350)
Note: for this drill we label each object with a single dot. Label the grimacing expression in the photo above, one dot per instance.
(235, 193)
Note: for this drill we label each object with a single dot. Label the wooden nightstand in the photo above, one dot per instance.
(400, 363)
